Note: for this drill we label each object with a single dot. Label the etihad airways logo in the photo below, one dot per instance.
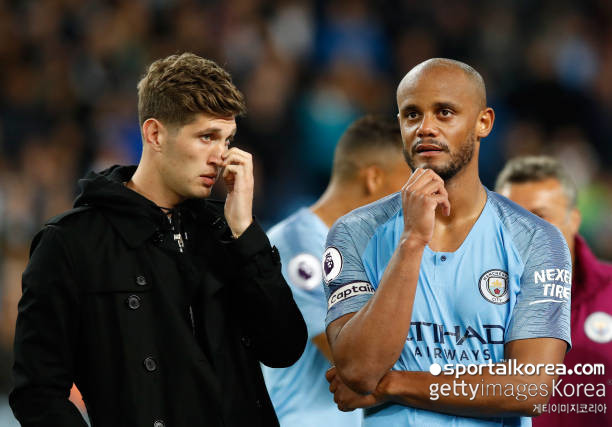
(454, 343)
(457, 334)
(348, 291)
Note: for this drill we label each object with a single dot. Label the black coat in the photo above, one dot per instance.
(151, 336)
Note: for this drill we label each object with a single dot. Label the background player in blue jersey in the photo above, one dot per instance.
(367, 165)
(444, 272)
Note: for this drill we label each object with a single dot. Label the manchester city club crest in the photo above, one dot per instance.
(332, 264)
(598, 327)
(493, 286)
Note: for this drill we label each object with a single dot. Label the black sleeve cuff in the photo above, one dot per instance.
(250, 243)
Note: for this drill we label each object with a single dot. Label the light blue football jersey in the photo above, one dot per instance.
(510, 279)
(300, 394)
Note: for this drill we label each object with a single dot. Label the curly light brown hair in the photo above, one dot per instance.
(176, 88)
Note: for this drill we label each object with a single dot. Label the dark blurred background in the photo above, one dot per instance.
(307, 68)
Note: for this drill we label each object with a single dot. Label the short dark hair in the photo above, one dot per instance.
(537, 168)
(367, 140)
(176, 88)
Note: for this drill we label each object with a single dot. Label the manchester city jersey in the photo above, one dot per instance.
(510, 279)
(300, 394)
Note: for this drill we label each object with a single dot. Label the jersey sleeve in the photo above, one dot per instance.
(347, 287)
(542, 309)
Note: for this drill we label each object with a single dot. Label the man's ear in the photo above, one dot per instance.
(485, 122)
(373, 179)
(153, 134)
(574, 220)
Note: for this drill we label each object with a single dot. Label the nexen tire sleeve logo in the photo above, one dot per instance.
(348, 291)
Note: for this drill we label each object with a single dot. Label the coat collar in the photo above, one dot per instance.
(134, 217)
(134, 231)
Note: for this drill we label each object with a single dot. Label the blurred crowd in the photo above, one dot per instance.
(307, 68)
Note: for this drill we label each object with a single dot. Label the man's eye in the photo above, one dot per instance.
(206, 137)
(412, 115)
(446, 112)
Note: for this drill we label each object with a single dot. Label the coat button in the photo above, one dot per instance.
(158, 238)
(258, 403)
(219, 223)
(246, 341)
(141, 281)
(150, 364)
(159, 423)
(133, 301)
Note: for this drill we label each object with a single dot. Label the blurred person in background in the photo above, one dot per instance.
(368, 165)
(159, 305)
(541, 185)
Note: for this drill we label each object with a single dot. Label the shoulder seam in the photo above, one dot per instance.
(58, 218)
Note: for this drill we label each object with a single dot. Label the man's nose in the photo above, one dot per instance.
(427, 127)
(216, 155)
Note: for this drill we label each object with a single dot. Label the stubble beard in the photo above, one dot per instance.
(458, 159)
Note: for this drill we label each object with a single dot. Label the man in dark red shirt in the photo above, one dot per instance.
(540, 185)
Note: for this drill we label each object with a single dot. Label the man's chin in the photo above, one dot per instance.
(442, 171)
(200, 193)
(433, 165)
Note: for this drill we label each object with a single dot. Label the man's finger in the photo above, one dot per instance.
(424, 179)
(442, 200)
(330, 374)
(231, 169)
(236, 150)
(433, 187)
(416, 174)
(236, 155)
(237, 159)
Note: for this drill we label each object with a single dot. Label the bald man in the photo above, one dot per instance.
(445, 276)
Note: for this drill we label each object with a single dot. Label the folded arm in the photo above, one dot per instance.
(483, 395)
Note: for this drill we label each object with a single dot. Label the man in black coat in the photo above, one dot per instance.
(159, 304)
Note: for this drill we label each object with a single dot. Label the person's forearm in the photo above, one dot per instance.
(271, 315)
(370, 343)
(320, 341)
(483, 395)
(275, 326)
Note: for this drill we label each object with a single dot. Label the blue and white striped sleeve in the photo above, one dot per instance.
(347, 287)
(543, 303)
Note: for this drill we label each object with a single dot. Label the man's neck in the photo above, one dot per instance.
(467, 198)
(337, 200)
(149, 185)
(466, 195)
